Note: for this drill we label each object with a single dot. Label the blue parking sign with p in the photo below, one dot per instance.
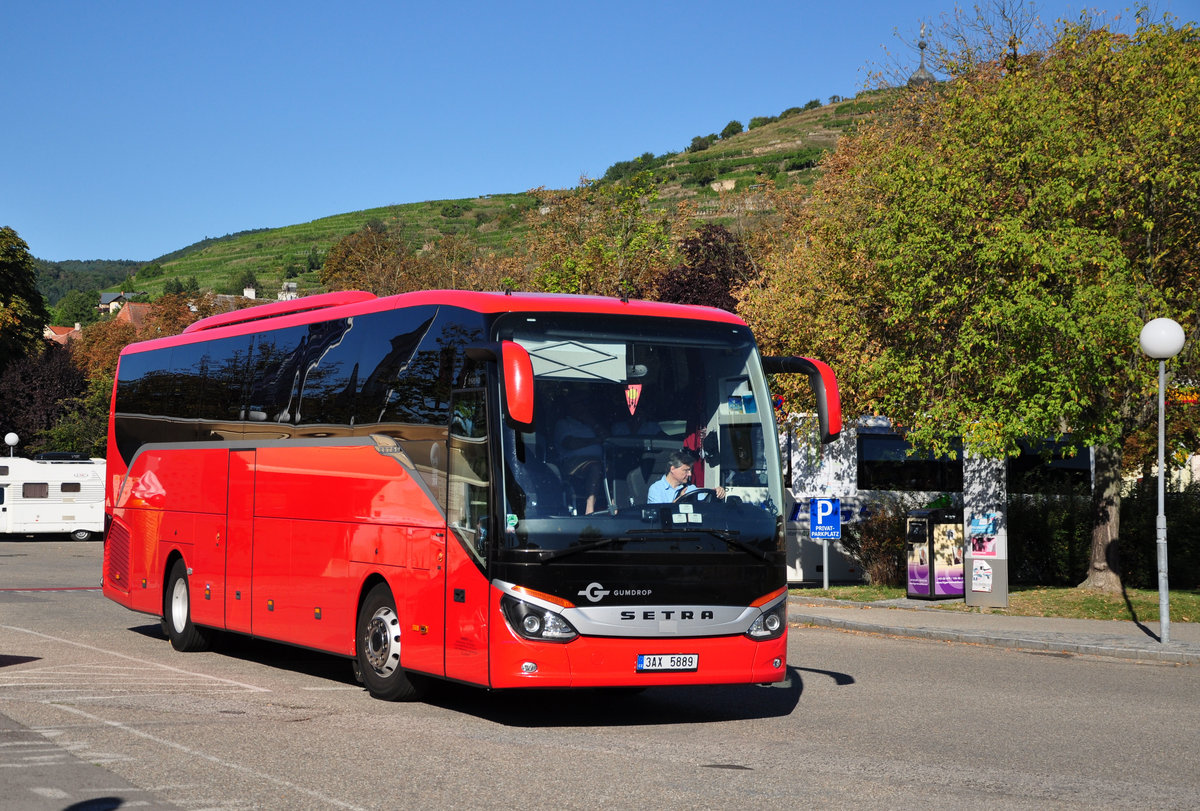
(825, 518)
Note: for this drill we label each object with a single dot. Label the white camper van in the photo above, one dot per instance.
(58, 493)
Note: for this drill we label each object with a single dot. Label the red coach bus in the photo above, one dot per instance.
(394, 480)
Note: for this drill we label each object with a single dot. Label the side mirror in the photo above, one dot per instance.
(518, 383)
(516, 378)
(824, 385)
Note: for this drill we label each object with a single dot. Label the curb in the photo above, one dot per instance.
(1046, 643)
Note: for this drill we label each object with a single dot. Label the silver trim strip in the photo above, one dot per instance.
(651, 620)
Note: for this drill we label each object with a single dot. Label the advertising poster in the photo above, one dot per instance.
(983, 535)
(949, 577)
(981, 577)
(918, 568)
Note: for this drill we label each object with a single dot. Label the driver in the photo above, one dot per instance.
(674, 485)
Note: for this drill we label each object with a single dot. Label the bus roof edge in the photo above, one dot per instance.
(275, 309)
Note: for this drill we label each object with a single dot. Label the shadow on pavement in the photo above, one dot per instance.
(552, 707)
(619, 707)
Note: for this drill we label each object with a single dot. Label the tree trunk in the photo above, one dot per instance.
(1104, 571)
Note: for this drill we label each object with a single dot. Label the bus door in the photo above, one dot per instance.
(468, 515)
(239, 541)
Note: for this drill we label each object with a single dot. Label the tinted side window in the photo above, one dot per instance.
(184, 387)
(141, 381)
(420, 391)
(225, 374)
(885, 463)
(136, 377)
(278, 359)
(390, 345)
(329, 374)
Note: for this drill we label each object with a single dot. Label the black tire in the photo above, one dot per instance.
(81, 535)
(378, 649)
(177, 613)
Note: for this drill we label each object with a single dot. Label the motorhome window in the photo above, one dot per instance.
(70, 487)
(35, 490)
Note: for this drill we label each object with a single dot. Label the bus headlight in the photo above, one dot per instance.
(534, 622)
(770, 624)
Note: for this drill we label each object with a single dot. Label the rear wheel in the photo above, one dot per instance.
(81, 535)
(378, 643)
(177, 612)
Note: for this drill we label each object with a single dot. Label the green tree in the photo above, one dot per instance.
(979, 261)
(606, 238)
(247, 279)
(23, 313)
(77, 307)
(731, 129)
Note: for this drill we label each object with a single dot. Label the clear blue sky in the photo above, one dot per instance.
(132, 129)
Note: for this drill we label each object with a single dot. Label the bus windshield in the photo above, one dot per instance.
(614, 412)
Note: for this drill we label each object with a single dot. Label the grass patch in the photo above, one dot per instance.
(1140, 605)
(856, 594)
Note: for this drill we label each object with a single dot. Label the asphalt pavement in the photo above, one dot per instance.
(924, 619)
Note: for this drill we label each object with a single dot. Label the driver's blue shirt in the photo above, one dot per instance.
(661, 492)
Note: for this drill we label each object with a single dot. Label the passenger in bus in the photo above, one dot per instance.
(581, 452)
(676, 482)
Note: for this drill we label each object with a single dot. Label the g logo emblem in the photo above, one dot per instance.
(594, 592)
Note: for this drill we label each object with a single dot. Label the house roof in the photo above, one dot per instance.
(61, 335)
(109, 298)
(135, 312)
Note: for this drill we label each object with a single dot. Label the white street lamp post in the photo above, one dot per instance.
(1161, 339)
(11, 440)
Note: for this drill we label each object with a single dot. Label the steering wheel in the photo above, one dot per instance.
(698, 495)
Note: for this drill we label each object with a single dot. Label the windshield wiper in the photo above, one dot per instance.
(551, 554)
(729, 536)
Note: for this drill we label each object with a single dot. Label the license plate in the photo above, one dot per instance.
(667, 661)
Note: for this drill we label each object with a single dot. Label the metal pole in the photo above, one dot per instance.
(825, 561)
(1164, 608)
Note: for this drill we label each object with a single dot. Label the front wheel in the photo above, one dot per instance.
(177, 612)
(378, 644)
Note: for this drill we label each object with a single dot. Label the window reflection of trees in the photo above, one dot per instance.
(389, 372)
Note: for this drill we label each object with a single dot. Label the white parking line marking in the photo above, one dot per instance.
(158, 665)
(210, 758)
